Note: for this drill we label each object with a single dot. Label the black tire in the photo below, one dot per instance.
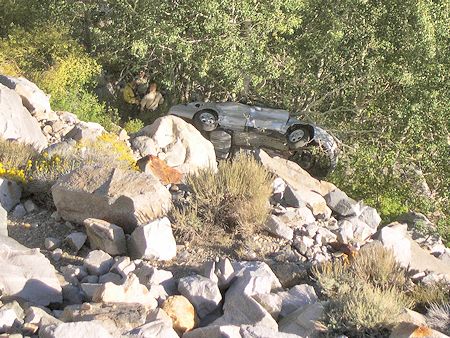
(318, 160)
(206, 120)
(298, 137)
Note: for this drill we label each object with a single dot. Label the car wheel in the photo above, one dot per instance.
(221, 141)
(298, 137)
(317, 160)
(206, 120)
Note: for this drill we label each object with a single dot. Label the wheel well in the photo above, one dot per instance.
(306, 126)
(210, 110)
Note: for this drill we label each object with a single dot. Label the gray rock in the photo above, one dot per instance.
(275, 226)
(244, 310)
(370, 216)
(123, 266)
(76, 241)
(105, 236)
(10, 193)
(289, 273)
(3, 221)
(271, 302)
(216, 331)
(98, 262)
(19, 211)
(57, 254)
(72, 294)
(345, 232)
(202, 292)
(51, 243)
(122, 197)
(326, 236)
(40, 316)
(27, 274)
(88, 289)
(263, 332)
(293, 198)
(16, 122)
(304, 321)
(30, 206)
(153, 241)
(110, 277)
(85, 131)
(90, 279)
(92, 329)
(296, 298)
(154, 329)
(209, 271)
(73, 273)
(144, 145)
(340, 203)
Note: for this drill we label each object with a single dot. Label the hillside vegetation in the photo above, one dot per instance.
(375, 74)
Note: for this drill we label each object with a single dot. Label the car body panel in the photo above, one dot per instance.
(254, 126)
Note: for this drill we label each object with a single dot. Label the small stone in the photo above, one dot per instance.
(110, 277)
(345, 232)
(89, 289)
(98, 262)
(105, 236)
(73, 273)
(225, 272)
(7, 319)
(90, 279)
(52, 243)
(277, 227)
(182, 313)
(76, 240)
(57, 254)
(19, 211)
(72, 294)
(123, 266)
(30, 206)
(311, 229)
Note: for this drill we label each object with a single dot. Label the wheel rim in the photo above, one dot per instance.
(296, 135)
(207, 118)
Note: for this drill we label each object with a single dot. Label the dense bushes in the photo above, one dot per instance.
(232, 201)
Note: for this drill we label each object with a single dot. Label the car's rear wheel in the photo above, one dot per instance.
(316, 159)
(206, 120)
(298, 137)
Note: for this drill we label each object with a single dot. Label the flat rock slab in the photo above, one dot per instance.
(123, 197)
(27, 274)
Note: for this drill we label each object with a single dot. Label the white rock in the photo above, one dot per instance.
(271, 302)
(180, 144)
(345, 232)
(225, 272)
(275, 226)
(123, 266)
(370, 216)
(85, 131)
(7, 319)
(27, 274)
(263, 332)
(73, 273)
(394, 237)
(98, 262)
(154, 329)
(296, 298)
(91, 329)
(304, 321)
(228, 331)
(3, 221)
(16, 122)
(51, 243)
(40, 317)
(10, 193)
(105, 236)
(153, 241)
(202, 292)
(129, 292)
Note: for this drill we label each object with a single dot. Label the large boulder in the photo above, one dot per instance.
(123, 197)
(3, 222)
(16, 121)
(180, 144)
(34, 99)
(26, 274)
(298, 178)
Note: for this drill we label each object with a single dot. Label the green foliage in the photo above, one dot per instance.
(366, 295)
(133, 126)
(233, 200)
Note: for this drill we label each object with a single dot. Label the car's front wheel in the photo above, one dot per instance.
(206, 120)
(298, 137)
(317, 160)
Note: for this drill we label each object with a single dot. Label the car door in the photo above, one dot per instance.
(233, 115)
(268, 118)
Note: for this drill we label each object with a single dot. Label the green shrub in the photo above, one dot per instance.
(366, 293)
(233, 200)
(133, 126)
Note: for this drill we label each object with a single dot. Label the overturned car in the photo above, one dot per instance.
(231, 124)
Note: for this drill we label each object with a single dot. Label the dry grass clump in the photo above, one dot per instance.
(234, 200)
(438, 317)
(366, 295)
(426, 294)
(14, 154)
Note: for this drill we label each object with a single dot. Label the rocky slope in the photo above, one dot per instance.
(106, 262)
